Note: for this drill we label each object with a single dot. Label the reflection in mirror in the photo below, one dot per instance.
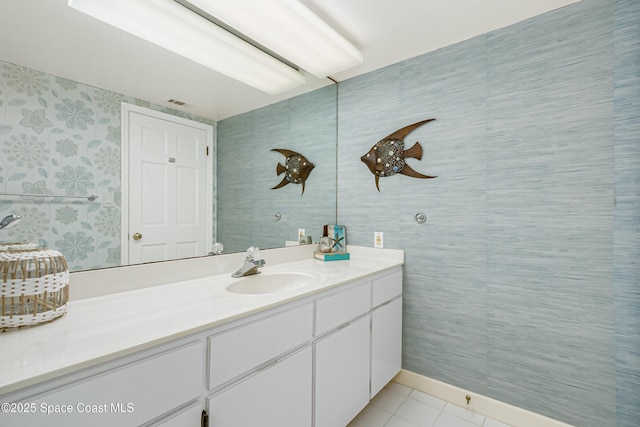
(61, 137)
(249, 212)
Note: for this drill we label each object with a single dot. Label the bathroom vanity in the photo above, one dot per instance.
(310, 348)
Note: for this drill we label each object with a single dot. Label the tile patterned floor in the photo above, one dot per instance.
(400, 406)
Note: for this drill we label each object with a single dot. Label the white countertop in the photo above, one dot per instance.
(103, 328)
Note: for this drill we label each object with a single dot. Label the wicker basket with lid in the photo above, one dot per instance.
(34, 286)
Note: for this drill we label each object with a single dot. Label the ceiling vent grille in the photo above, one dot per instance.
(179, 103)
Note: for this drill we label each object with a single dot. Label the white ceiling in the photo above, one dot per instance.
(50, 36)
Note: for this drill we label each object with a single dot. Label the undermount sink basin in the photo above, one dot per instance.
(267, 283)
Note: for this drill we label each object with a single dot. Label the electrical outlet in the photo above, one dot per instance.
(378, 239)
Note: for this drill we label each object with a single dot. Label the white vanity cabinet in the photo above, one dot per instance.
(133, 393)
(314, 361)
(363, 352)
(317, 364)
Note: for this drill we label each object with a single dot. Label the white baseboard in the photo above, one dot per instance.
(483, 405)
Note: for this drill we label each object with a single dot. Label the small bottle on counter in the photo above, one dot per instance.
(325, 242)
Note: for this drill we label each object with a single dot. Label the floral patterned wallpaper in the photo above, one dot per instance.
(61, 137)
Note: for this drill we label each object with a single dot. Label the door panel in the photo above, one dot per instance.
(152, 252)
(152, 201)
(186, 249)
(187, 201)
(168, 187)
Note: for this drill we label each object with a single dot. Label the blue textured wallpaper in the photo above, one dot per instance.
(247, 172)
(626, 248)
(523, 284)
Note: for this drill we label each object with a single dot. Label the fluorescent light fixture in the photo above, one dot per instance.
(290, 29)
(176, 28)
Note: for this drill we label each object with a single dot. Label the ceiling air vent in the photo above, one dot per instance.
(179, 103)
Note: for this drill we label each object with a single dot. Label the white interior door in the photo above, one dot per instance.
(169, 209)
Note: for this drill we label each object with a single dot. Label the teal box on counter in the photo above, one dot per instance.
(333, 245)
(331, 256)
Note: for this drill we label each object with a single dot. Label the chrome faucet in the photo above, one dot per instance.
(251, 263)
(9, 220)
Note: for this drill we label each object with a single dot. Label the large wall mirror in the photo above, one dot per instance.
(63, 77)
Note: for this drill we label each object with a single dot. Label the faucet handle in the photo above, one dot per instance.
(253, 253)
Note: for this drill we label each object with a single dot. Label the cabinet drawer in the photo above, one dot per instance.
(243, 349)
(338, 309)
(387, 287)
(130, 395)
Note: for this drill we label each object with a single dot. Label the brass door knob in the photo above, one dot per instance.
(137, 236)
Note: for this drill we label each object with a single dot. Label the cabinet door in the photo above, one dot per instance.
(342, 374)
(276, 397)
(386, 344)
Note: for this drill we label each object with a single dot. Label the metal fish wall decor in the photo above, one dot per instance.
(386, 158)
(296, 168)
